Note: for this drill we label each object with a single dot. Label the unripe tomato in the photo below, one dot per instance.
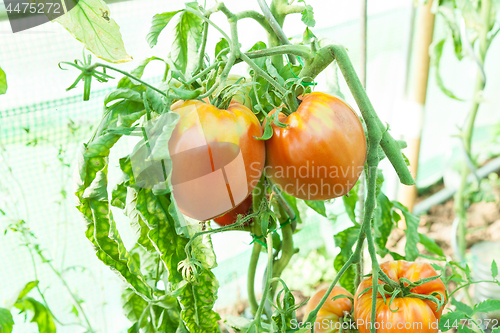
(328, 317)
(321, 153)
(406, 314)
(216, 161)
(230, 217)
(243, 94)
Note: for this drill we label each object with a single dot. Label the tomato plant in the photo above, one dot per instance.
(328, 319)
(412, 306)
(216, 160)
(213, 162)
(321, 152)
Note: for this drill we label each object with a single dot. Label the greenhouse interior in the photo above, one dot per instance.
(249, 166)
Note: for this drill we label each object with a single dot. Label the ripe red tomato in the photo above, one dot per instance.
(230, 217)
(406, 314)
(321, 153)
(327, 320)
(216, 160)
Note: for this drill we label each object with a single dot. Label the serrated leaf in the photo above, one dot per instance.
(89, 22)
(412, 235)
(6, 321)
(317, 206)
(489, 305)
(447, 320)
(462, 307)
(159, 23)
(187, 38)
(430, 245)
(197, 302)
(437, 51)
(308, 15)
(3, 82)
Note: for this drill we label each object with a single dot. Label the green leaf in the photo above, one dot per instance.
(133, 305)
(307, 36)
(3, 82)
(259, 61)
(122, 93)
(221, 45)
(274, 72)
(317, 206)
(382, 223)
(27, 288)
(188, 35)
(462, 307)
(140, 227)
(346, 240)
(430, 245)
(451, 320)
(41, 316)
(489, 305)
(94, 204)
(126, 82)
(154, 209)
(6, 321)
(412, 235)
(437, 51)
(494, 269)
(308, 15)
(159, 23)
(447, 10)
(350, 201)
(197, 302)
(119, 196)
(90, 23)
(268, 130)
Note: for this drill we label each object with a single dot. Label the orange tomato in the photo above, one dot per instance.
(321, 153)
(216, 161)
(405, 314)
(328, 317)
(230, 217)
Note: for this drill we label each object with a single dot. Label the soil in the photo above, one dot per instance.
(483, 223)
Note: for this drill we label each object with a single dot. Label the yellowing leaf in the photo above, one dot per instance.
(89, 22)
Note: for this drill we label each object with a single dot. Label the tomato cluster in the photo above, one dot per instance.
(409, 311)
(318, 154)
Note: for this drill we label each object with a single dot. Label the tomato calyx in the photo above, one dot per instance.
(403, 288)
